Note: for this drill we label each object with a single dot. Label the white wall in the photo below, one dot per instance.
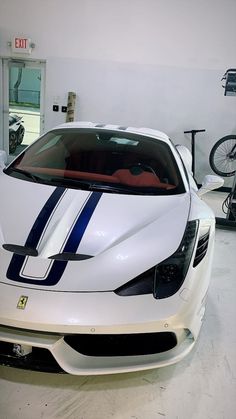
(155, 63)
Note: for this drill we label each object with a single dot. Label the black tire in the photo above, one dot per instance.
(12, 142)
(223, 156)
(20, 135)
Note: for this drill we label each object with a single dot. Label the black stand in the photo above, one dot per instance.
(193, 133)
(230, 220)
(231, 214)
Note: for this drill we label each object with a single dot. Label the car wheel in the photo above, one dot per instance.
(21, 133)
(12, 142)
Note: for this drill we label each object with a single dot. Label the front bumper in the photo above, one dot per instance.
(55, 323)
(50, 352)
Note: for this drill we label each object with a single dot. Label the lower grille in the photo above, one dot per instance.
(39, 359)
(122, 345)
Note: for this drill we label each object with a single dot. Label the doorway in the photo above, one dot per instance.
(23, 103)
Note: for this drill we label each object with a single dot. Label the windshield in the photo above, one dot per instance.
(112, 161)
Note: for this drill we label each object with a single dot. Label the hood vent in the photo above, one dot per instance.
(29, 251)
(66, 256)
(20, 250)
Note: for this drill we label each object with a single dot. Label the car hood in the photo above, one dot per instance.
(117, 236)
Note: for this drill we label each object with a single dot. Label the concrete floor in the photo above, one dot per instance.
(202, 386)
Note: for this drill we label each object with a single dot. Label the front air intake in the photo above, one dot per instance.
(122, 345)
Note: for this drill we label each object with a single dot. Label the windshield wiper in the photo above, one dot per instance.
(90, 186)
(25, 173)
(115, 189)
(72, 182)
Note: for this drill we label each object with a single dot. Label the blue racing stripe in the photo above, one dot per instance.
(43, 218)
(71, 245)
(81, 224)
(35, 234)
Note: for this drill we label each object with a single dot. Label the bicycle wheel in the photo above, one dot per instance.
(223, 156)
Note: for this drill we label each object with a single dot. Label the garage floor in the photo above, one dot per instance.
(202, 386)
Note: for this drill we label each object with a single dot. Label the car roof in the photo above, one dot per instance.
(153, 133)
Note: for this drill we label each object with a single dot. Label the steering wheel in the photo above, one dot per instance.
(142, 166)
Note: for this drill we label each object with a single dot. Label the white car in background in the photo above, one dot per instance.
(16, 131)
(106, 267)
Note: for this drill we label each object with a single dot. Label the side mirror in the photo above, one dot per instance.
(210, 182)
(3, 159)
(186, 157)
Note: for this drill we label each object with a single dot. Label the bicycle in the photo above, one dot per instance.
(223, 162)
(223, 154)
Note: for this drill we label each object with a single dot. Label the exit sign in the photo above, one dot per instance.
(21, 45)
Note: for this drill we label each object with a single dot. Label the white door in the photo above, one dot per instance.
(23, 85)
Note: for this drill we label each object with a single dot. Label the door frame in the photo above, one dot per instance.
(5, 64)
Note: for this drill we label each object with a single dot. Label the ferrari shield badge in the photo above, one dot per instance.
(22, 302)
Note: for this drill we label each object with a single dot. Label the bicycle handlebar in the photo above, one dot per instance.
(194, 131)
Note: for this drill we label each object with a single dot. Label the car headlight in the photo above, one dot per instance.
(166, 278)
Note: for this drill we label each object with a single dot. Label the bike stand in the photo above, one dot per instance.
(230, 221)
(193, 133)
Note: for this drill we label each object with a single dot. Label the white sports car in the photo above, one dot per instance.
(105, 251)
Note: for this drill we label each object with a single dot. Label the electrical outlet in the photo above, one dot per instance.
(64, 108)
(55, 108)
